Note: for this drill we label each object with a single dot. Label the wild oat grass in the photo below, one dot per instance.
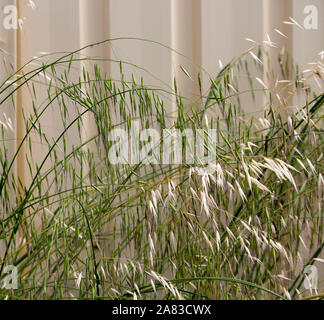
(81, 227)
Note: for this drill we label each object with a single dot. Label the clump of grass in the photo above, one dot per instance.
(81, 227)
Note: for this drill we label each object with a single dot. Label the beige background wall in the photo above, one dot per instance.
(205, 31)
